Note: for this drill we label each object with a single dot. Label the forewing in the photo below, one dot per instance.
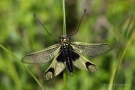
(41, 56)
(84, 64)
(91, 49)
(54, 69)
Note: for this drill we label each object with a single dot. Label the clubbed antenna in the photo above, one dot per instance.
(79, 23)
(43, 25)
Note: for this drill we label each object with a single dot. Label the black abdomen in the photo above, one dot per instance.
(66, 56)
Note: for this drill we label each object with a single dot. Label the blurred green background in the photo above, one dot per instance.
(108, 21)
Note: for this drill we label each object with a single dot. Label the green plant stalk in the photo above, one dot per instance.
(120, 61)
(64, 18)
(64, 33)
(22, 65)
(64, 79)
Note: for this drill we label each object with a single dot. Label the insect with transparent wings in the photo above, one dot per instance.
(66, 54)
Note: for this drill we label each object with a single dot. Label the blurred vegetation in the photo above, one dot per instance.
(108, 21)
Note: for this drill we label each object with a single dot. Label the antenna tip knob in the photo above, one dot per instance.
(85, 10)
(34, 15)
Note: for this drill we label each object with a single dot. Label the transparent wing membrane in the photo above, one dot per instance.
(91, 49)
(41, 56)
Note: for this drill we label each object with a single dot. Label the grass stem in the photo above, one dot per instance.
(120, 61)
(7, 51)
(64, 18)
(64, 33)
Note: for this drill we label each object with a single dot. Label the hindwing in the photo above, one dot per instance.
(84, 64)
(54, 69)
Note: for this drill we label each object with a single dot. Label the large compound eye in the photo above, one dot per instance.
(68, 39)
(61, 39)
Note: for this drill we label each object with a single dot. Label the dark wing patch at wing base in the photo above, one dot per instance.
(69, 51)
(72, 54)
